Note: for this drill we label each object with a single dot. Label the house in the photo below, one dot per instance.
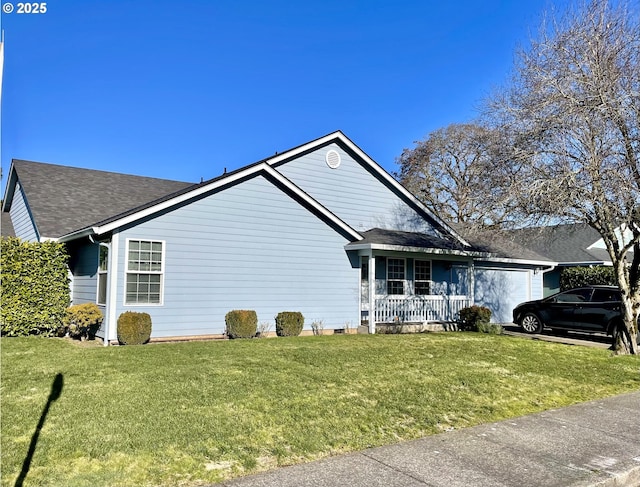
(320, 228)
(570, 245)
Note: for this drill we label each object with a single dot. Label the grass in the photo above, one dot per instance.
(193, 413)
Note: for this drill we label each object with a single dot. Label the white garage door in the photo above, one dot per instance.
(501, 290)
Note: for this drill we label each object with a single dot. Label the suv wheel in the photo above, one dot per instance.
(530, 323)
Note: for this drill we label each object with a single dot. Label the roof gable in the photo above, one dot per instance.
(69, 202)
(63, 199)
(338, 187)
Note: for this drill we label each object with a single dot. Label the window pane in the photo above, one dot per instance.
(395, 269)
(103, 258)
(102, 288)
(395, 287)
(423, 270)
(145, 264)
(423, 287)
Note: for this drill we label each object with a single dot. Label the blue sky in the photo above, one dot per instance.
(182, 89)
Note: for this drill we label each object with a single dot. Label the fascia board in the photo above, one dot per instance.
(263, 167)
(505, 260)
(464, 253)
(9, 189)
(311, 202)
(102, 229)
(420, 250)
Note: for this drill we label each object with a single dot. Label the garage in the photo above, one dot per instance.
(501, 290)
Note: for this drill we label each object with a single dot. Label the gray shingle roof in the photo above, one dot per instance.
(491, 244)
(563, 243)
(407, 239)
(63, 199)
(6, 227)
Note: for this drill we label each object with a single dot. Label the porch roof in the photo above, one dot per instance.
(491, 247)
(382, 239)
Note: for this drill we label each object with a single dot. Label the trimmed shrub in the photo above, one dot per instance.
(289, 323)
(490, 328)
(241, 323)
(571, 277)
(134, 328)
(472, 316)
(83, 320)
(35, 287)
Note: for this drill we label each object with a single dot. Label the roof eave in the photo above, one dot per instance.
(423, 250)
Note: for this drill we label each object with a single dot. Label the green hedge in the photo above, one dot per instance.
(289, 323)
(571, 277)
(134, 328)
(35, 287)
(472, 317)
(241, 323)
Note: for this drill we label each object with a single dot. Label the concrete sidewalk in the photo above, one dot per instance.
(590, 444)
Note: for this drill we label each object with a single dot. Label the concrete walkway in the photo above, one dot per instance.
(590, 444)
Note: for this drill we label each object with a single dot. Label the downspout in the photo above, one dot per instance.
(543, 272)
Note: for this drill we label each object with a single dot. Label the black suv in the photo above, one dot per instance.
(593, 309)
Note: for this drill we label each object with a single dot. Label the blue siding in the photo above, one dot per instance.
(353, 193)
(450, 278)
(83, 264)
(248, 247)
(23, 224)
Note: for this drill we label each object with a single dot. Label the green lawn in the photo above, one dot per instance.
(190, 413)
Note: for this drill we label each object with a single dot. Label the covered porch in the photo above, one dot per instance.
(408, 278)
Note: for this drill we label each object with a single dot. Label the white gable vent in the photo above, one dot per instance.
(333, 159)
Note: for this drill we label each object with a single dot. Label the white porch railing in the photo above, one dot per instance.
(419, 308)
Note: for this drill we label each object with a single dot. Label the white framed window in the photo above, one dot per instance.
(103, 270)
(395, 276)
(144, 272)
(422, 277)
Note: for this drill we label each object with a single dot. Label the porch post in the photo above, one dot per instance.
(372, 293)
(111, 327)
(472, 281)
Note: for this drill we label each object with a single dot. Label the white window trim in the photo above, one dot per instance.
(405, 287)
(415, 280)
(106, 284)
(127, 271)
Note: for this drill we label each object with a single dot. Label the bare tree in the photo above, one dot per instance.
(571, 122)
(448, 172)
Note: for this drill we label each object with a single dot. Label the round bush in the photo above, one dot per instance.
(241, 323)
(289, 323)
(83, 320)
(134, 328)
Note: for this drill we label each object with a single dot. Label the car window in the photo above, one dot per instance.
(605, 295)
(574, 296)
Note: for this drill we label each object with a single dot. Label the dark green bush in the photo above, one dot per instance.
(472, 316)
(83, 320)
(35, 287)
(241, 323)
(289, 323)
(134, 328)
(490, 328)
(571, 277)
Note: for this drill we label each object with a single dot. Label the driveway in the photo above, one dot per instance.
(597, 340)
